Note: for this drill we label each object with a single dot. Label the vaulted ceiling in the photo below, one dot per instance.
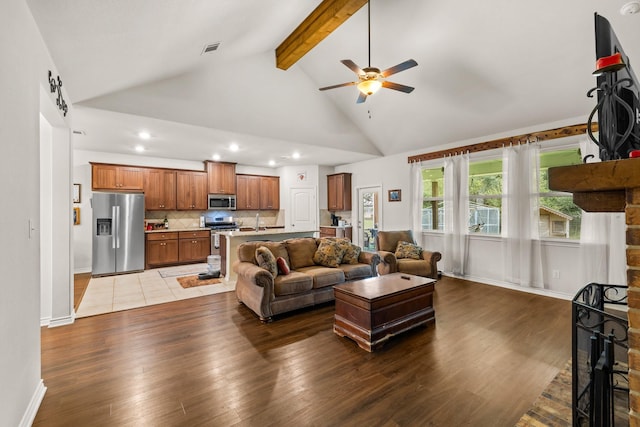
(484, 68)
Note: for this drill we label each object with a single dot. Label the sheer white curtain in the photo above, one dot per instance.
(416, 201)
(602, 240)
(456, 213)
(520, 215)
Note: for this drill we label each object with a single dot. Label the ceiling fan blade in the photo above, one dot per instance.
(400, 67)
(340, 85)
(397, 86)
(361, 98)
(352, 66)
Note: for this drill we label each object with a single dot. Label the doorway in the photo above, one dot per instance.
(369, 216)
(303, 209)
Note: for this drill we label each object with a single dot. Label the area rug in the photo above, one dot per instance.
(553, 406)
(182, 270)
(193, 281)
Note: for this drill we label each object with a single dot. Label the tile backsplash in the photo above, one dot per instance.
(191, 219)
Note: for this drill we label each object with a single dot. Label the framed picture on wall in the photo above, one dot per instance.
(395, 195)
(76, 193)
(76, 216)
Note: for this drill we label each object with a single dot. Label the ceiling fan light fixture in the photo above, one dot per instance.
(369, 87)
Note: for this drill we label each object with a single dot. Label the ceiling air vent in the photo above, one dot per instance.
(210, 48)
(79, 132)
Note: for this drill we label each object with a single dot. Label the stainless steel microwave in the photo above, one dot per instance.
(222, 202)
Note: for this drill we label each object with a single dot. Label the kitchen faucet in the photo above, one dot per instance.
(258, 221)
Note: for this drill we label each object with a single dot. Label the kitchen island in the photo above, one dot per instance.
(235, 238)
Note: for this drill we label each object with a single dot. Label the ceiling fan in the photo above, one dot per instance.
(370, 79)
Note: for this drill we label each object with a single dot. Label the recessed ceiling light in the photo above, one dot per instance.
(144, 135)
(216, 157)
(234, 147)
(630, 8)
(139, 148)
(296, 155)
(272, 162)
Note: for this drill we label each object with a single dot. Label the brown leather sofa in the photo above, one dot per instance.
(387, 242)
(307, 284)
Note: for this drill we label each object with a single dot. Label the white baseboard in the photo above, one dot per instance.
(62, 321)
(537, 291)
(44, 321)
(34, 405)
(79, 270)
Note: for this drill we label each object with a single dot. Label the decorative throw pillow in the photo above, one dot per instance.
(351, 255)
(408, 250)
(329, 253)
(266, 260)
(283, 267)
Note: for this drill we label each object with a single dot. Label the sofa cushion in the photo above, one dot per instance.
(283, 267)
(301, 252)
(293, 283)
(351, 254)
(408, 250)
(278, 249)
(329, 253)
(266, 260)
(388, 240)
(323, 276)
(356, 271)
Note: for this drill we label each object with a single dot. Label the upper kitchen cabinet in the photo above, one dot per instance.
(339, 192)
(248, 196)
(222, 177)
(116, 177)
(159, 189)
(191, 190)
(270, 192)
(258, 192)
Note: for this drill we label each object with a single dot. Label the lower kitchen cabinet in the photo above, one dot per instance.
(195, 246)
(344, 232)
(161, 249)
(177, 247)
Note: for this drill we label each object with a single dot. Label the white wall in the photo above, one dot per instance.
(25, 73)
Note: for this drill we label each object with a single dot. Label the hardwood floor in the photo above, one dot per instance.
(80, 283)
(209, 361)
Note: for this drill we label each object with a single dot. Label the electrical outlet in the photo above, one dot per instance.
(555, 274)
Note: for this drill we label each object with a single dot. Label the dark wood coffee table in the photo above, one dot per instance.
(371, 311)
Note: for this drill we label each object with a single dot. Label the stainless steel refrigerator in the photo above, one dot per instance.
(118, 233)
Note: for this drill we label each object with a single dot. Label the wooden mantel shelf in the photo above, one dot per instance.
(597, 187)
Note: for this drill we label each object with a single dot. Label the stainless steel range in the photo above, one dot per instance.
(218, 242)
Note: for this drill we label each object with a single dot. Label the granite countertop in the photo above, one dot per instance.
(263, 232)
(168, 230)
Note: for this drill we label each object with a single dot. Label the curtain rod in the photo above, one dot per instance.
(545, 135)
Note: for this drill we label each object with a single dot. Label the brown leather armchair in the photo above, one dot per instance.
(386, 243)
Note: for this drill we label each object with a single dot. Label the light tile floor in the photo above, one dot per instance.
(126, 291)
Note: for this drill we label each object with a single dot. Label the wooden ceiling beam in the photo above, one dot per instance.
(325, 18)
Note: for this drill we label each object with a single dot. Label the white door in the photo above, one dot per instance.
(303, 210)
(369, 216)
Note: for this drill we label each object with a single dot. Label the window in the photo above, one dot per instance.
(485, 196)
(433, 199)
(559, 216)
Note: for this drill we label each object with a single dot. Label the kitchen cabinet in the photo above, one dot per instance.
(116, 177)
(257, 192)
(191, 189)
(159, 189)
(194, 246)
(248, 192)
(345, 232)
(270, 192)
(339, 192)
(161, 249)
(221, 177)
